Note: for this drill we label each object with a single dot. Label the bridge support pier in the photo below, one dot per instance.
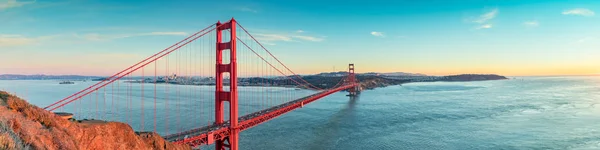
(231, 96)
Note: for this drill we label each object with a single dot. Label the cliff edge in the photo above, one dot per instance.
(25, 126)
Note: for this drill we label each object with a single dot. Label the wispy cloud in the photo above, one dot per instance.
(165, 33)
(7, 40)
(6, 4)
(484, 20)
(247, 9)
(377, 34)
(580, 12)
(309, 38)
(531, 23)
(487, 16)
(99, 37)
(485, 26)
(104, 37)
(585, 40)
(585, 43)
(271, 38)
(118, 55)
(300, 31)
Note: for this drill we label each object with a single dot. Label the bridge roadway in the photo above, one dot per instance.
(208, 134)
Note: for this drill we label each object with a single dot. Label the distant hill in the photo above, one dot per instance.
(394, 74)
(44, 77)
(332, 74)
(473, 77)
(343, 73)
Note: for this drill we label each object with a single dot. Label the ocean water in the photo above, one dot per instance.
(521, 113)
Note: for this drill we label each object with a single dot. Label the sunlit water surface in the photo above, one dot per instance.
(521, 113)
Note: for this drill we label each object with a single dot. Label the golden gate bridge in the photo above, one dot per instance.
(217, 56)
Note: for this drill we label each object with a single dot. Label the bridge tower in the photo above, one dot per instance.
(222, 95)
(352, 79)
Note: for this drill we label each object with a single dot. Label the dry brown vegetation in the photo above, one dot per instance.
(25, 126)
(10, 140)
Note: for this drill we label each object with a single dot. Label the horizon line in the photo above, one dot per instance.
(560, 75)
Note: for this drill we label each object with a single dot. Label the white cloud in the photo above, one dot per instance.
(580, 12)
(272, 37)
(377, 34)
(291, 37)
(485, 26)
(487, 16)
(21, 40)
(300, 31)
(6, 4)
(531, 23)
(118, 55)
(103, 37)
(309, 38)
(95, 37)
(165, 33)
(484, 20)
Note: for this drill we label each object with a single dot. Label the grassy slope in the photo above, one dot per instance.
(25, 126)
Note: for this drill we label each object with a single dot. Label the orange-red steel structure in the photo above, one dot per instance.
(224, 130)
(231, 96)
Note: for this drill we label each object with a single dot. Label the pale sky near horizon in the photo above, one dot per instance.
(434, 37)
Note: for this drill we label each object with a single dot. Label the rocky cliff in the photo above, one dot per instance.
(25, 126)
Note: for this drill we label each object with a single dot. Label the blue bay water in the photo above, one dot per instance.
(521, 113)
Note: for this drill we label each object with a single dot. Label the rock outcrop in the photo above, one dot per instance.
(25, 126)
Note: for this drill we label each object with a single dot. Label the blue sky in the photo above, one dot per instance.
(509, 37)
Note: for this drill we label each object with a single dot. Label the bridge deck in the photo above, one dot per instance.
(208, 134)
(214, 127)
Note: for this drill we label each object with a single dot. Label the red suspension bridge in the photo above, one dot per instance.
(198, 93)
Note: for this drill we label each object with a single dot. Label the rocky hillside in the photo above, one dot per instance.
(371, 82)
(474, 77)
(25, 126)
